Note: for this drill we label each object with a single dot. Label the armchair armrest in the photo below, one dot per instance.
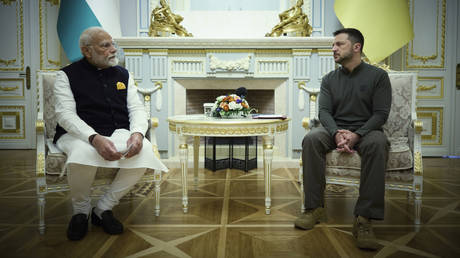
(416, 146)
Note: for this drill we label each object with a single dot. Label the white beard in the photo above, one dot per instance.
(113, 61)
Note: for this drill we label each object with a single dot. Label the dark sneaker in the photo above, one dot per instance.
(363, 234)
(308, 219)
(78, 227)
(108, 222)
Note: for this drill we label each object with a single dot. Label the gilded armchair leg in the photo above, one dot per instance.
(418, 207)
(41, 213)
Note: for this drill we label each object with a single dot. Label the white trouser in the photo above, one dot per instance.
(80, 178)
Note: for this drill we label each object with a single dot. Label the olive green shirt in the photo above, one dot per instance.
(359, 101)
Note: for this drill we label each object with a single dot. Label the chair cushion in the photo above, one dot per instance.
(398, 167)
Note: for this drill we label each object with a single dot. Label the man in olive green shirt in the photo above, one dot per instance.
(354, 104)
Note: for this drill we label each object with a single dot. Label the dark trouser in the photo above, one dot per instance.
(373, 149)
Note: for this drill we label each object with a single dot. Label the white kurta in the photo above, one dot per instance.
(75, 142)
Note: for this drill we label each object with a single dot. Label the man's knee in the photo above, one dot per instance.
(313, 137)
(374, 141)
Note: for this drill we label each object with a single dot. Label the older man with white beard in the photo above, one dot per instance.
(101, 123)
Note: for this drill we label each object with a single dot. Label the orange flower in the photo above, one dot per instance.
(244, 105)
(226, 108)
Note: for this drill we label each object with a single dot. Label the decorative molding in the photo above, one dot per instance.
(225, 43)
(187, 67)
(186, 51)
(435, 60)
(425, 88)
(418, 167)
(44, 33)
(435, 115)
(12, 88)
(7, 2)
(435, 87)
(53, 2)
(40, 172)
(272, 67)
(242, 64)
(7, 62)
(18, 112)
(19, 40)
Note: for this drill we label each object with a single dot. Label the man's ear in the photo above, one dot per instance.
(86, 52)
(357, 47)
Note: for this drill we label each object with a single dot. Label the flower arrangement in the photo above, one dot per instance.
(232, 105)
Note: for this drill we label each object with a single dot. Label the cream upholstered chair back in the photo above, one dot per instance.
(50, 176)
(403, 98)
(49, 101)
(404, 166)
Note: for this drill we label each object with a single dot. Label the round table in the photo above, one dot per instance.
(186, 126)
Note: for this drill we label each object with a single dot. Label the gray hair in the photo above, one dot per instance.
(86, 36)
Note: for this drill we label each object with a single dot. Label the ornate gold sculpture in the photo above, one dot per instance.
(292, 21)
(163, 22)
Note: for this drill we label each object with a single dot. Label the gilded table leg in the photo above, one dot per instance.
(183, 155)
(196, 157)
(268, 157)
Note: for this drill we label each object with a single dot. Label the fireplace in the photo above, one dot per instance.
(266, 95)
(261, 100)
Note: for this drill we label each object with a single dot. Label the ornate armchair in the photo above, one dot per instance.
(51, 160)
(404, 167)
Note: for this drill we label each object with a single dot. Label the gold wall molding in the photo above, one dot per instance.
(220, 51)
(53, 2)
(438, 84)
(7, 2)
(435, 114)
(434, 56)
(275, 51)
(186, 51)
(425, 88)
(7, 62)
(6, 88)
(19, 40)
(304, 52)
(18, 112)
(44, 50)
(11, 88)
(325, 52)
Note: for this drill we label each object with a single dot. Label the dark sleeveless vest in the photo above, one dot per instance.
(99, 102)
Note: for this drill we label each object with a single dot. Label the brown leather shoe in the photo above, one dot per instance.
(363, 234)
(308, 219)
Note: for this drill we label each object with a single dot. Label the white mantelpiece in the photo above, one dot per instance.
(177, 64)
(232, 43)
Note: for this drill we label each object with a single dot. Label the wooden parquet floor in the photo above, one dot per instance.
(227, 219)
